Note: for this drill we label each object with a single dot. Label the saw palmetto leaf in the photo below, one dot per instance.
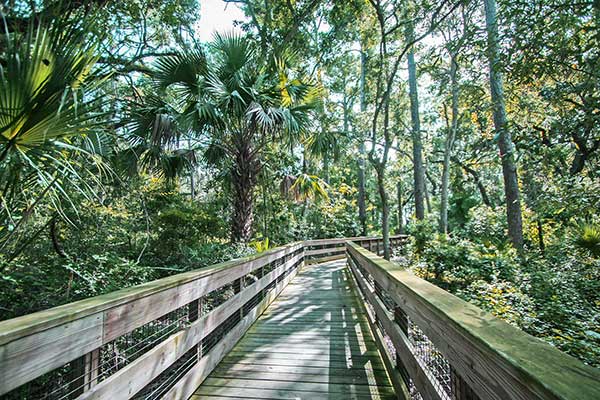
(52, 116)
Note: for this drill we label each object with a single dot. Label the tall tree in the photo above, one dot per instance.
(417, 142)
(241, 103)
(455, 35)
(362, 210)
(504, 137)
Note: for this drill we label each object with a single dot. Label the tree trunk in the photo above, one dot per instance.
(385, 212)
(362, 210)
(400, 209)
(505, 144)
(540, 231)
(448, 147)
(192, 171)
(362, 206)
(54, 237)
(243, 177)
(418, 171)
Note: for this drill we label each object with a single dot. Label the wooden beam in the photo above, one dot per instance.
(186, 386)
(135, 376)
(497, 360)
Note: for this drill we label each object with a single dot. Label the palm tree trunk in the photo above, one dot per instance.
(505, 144)
(244, 181)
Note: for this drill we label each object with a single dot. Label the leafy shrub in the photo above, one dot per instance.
(586, 236)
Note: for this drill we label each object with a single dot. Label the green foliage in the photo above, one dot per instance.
(52, 114)
(260, 245)
(554, 296)
(587, 237)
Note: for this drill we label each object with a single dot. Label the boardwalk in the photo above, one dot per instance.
(313, 342)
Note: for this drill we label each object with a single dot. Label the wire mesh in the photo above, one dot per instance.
(430, 358)
(71, 379)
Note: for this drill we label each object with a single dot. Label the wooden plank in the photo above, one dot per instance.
(400, 387)
(16, 328)
(125, 318)
(424, 382)
(289, 394)
(304, 361)
(320, 242)
(497, 360)
(185, 387)
(222, 385)
(317, 340)
(321, 260)
(301, 369)
(278, 375)
(327, 250)
(25, 359)
(119, 312)
(135, 376)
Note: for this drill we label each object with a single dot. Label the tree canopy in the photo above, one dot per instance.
(131, 150)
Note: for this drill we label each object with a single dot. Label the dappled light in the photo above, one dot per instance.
(307, 199)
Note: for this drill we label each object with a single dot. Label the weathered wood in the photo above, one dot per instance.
(362, 239)
(135, 376)
(327, 250)
(367, 371)
(460, 389)
(321, 260)
(33, 355)
(497, 360)
(186, 386)
(37, 343)
(400, 387)
(422, 380)
(224, 385)
(20, 327)
(125, 318)
(291, 393)
(300, 353)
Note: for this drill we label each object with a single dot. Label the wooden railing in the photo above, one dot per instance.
(436, 346)
(161, 339)
(157, 340)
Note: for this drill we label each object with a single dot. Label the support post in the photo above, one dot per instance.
(401, 319)
(85, 373)
(460, 389)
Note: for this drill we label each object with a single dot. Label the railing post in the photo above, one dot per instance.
(460, 389)
(238, 285)
(85, 373)
(401, 319)
(195, 312)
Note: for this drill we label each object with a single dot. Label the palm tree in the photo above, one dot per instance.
(50, 118)
(155, 142)
(240, 103)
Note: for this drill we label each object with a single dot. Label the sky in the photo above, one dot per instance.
(217, 16)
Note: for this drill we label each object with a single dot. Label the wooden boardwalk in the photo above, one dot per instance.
(313, 342)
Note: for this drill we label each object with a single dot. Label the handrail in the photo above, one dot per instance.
(160, 322)
(163, 338)
(478, 356)
(79, 332)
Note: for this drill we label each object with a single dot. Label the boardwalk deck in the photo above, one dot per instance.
(313, 342)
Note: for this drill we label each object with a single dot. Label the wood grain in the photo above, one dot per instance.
(497, 360)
